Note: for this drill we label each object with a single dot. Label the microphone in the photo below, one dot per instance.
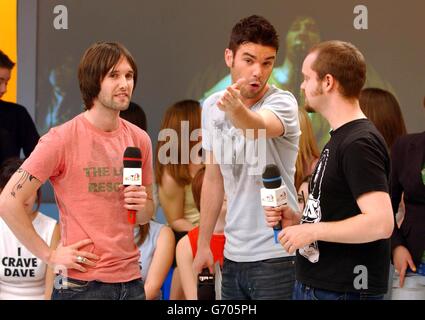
(206, 285)
(132, 173)
(274, 193)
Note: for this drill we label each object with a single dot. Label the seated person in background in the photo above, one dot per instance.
(308, 155)
(22, 275)
(187, 246)
(156, 243)
(17, 130)
(174, 175)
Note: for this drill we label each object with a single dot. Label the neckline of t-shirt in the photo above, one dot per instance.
(90, 126)
(263, 98)
(348, 124)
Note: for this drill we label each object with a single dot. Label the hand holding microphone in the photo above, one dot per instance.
(273, 196)
(134, 193)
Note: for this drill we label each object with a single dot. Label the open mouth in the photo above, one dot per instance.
(254, 85)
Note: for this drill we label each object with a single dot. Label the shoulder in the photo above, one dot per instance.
(65, 131)
(14, 108)
(212, 100)
(361, 132)
(169, 185)
(277, 95)
(139, 132)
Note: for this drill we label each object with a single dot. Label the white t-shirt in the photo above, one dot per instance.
(242, 162)
(22, 275)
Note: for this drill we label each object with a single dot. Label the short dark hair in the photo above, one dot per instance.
(344, 62)
(255, 29)
(5, 62)
(96, 63)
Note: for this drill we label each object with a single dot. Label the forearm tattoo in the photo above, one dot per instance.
(25, 176)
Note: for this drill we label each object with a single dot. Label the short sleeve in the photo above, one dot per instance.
(47, 159)
(285, 107)
(365, 165)
(207, 131)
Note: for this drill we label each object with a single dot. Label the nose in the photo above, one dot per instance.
(123, 82)
(257, 70)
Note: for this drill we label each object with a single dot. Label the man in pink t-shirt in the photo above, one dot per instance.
(83, 160)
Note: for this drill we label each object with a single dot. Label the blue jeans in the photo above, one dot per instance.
(271, 279)
(73, 289)
(303, 292)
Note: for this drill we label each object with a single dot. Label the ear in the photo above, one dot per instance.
(329, 83)
(228, 57)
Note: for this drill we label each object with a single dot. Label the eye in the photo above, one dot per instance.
(248, 61)
(129, 76)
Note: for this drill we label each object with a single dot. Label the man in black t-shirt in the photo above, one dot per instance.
(17, 130)
(342, 241)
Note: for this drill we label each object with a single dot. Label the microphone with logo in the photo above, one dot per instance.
(206, 285)
(132, 173)
(274, 193)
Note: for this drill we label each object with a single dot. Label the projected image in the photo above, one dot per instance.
(302, 35)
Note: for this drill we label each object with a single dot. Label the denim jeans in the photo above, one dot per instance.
(73, 289)
(303, 292)
(271, 279)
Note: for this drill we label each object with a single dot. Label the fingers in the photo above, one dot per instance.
(134, 188)
(81, 243)
(78, 267)
(411, 264)
(239, 83)
(87, 255)
(402, 275)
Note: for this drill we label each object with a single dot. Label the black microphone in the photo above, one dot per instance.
(132, 173)
(274, 193)
(206, 285)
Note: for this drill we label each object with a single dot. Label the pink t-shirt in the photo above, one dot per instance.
(84, 165)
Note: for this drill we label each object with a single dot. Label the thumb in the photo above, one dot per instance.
(411, 264)
(239, 83)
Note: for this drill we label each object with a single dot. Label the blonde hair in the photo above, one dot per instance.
(186, 110)
(308, 150)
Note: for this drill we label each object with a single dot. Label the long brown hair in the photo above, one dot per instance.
(186, 110)
(382, 108)
(197, 182)
(143, 233)
(308, 150)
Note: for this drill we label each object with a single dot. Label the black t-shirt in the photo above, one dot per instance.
(17, 131)
(355, 161)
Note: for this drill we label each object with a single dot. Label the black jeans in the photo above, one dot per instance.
(271, 279)
(73, 289)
